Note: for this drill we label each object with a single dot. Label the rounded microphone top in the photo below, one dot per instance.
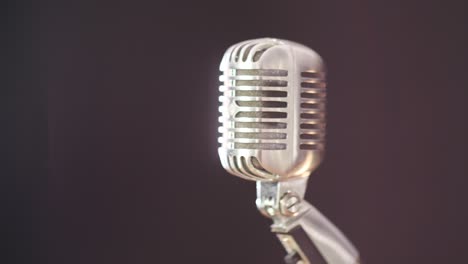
(272, 110)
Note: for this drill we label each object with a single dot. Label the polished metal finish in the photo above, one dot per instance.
(273, 131)
(334, 247)
(272, 110)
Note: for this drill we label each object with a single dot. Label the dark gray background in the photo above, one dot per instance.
(114, 117)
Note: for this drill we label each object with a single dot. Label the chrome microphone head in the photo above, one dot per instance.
(272, 110)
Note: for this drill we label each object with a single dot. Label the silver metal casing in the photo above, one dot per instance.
(272, 110)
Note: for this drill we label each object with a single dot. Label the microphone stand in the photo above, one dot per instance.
(307, 235)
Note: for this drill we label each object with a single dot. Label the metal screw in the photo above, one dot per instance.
(290, 204)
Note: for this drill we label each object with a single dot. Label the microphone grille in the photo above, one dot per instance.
(312, 124)
(250, 50)
(256, 108)
(254, 101)
(272, 110)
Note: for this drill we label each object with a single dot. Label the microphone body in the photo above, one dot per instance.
(272, 131)
(272, 112)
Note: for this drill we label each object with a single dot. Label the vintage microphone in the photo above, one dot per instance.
(273, 132)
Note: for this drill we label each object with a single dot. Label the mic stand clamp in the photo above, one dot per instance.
(307, 236)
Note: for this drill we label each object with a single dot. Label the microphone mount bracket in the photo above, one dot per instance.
(281, 200)
(307, 236)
